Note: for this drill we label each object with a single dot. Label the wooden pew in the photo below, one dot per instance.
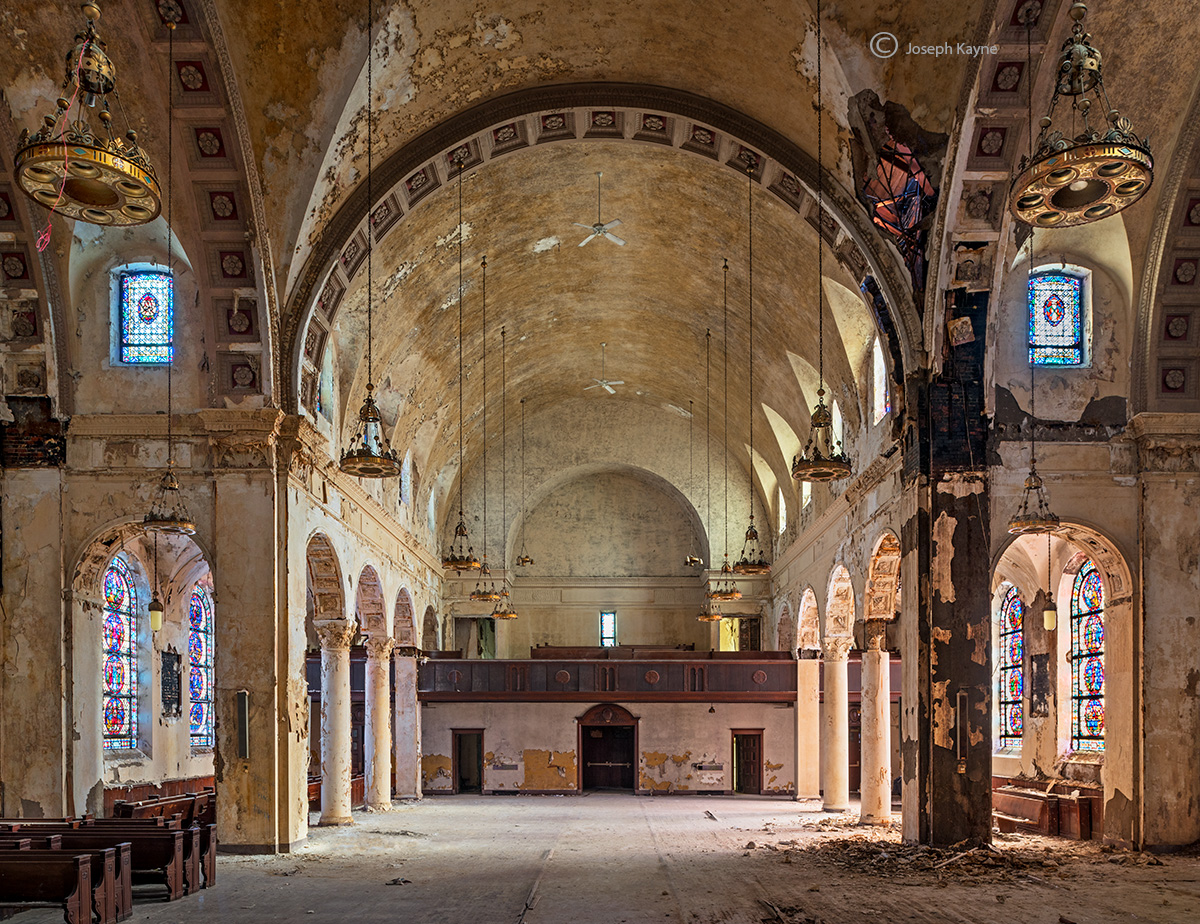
(57, 880)
(156, 854)
(197, 810)
(103, 875)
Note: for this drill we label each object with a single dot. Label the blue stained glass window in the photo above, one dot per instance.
(200, 664)
(119, 635)
(608, 630)
(1055, 320)
(1012, 669)
(1087, 660)
(147, 317)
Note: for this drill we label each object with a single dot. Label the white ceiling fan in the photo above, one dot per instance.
(600, 229)
(602, 382)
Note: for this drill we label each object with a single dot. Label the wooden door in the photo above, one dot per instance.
(747, 762)
(358, 728)
(608, 757)
(855, 748)
(468, 761)
(749, 634)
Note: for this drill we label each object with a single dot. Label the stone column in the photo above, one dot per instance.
(335, 638)
(379, 724)
(876, 785)
(836, 770)
(808, 726)
(407, 725)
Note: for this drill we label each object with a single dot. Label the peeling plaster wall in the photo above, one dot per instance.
(532, 746)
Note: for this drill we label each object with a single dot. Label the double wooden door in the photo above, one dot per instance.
(608, 758)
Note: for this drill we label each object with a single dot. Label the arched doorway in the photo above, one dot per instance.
(608, 748)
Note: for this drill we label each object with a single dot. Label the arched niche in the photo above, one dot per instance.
(839, 605)
(1026, 562)
(325, 583)
(429, 630)
(809, 635)
(170, 566)
(404, 623)
(883, 579)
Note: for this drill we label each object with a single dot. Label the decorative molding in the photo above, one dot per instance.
(837, 648)
(335, 634)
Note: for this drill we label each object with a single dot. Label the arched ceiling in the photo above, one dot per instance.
(651, 300)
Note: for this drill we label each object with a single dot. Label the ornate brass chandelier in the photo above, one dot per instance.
(368, 454)
(1077, 179)
(504, 609)
(81, 170)
(169, 513)
(823, 458)
(524, 560)
(753, 559)
(460, 556)
(484, 591)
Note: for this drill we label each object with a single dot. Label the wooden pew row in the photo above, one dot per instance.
(196, 809)
(158, 855)
(57, 880)
(106, 887)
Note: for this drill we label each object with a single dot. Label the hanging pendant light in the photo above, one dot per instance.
(504, 609)
(753, 559)
(1075, 179)
(368, 454)
(169, 513)
(725, 589)
(1049, 610)
(823, 458)
(155, 608)
(484, 591)
(1034, 515)
(709, 611)
(81, 170)
(523, 559)
(460, 556)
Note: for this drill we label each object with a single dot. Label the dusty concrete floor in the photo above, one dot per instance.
(610, 858)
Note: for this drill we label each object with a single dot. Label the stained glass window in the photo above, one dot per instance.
(1087, 660)
(608, 630)
(1055, 320)
(147, 314)
(882, 400)
(120, 657)
(1012, 669)
(200, 675)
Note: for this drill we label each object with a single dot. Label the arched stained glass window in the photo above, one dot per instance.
(147, 316)
(1087, 660)
(200, 675)
(120, 657)
(1055, 320)
(1012, 669)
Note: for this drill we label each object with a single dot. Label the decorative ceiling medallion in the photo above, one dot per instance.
(1093, 174)
(78, 170)
(224, 207)
(209, 142)
(191, 76)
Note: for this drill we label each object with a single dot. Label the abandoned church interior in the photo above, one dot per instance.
(480, 461)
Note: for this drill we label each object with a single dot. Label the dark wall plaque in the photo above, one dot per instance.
(172, 702)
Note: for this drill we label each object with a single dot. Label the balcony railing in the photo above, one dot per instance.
(698, 679)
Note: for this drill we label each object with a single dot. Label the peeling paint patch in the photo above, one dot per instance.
(943, 717)
(548, 769)
(943, 537)
(435, 771)
(979, 633)
(546, 244)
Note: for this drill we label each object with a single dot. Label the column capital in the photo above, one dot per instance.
(837, 648)
(379, 648)
(335, 634)
(876, 633)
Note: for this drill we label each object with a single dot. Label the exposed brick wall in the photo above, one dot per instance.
(34, 439)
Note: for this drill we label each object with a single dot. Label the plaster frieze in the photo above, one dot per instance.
(1167, 443)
